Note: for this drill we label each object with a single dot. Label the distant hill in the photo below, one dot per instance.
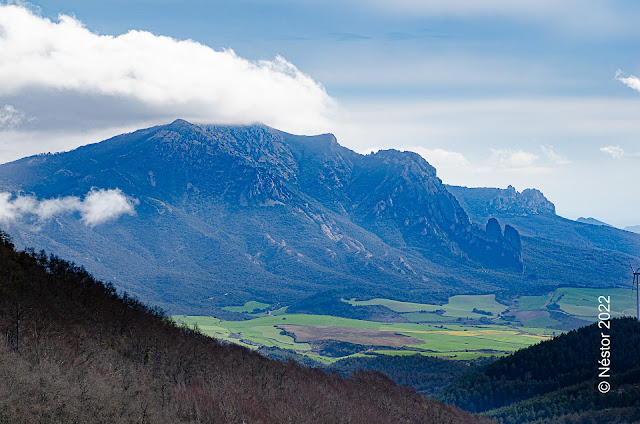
(556, 381)
(231, 214)
(592, 221)
(74, 351)
(633, 228)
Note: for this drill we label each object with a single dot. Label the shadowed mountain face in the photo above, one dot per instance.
(398, 197)
(228, 214)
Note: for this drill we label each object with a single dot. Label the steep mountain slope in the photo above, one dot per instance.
(555, 248)
(74, 351)
(230, 214)
(557, 380)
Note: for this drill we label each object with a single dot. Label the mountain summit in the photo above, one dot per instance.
(232, 213)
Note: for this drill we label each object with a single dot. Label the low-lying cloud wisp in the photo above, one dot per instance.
(617, 152)
(97, 207)
(10, 117)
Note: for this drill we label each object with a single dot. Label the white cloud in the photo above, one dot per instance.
(553, 156)
(103, 205)
(441, 158)
(631, 81)
(49, 208)
(183, 78)
(10, 117)
(617, 152)
(522, 161)
(506, 158)
(97, 207)
(451, 164)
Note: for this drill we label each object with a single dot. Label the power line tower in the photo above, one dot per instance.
(636, 287)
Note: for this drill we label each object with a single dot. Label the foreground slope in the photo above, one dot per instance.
(557, 380)
(232, 214)
(74, 351)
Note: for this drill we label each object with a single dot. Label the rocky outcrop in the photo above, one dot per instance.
(529, 202)
(485, 202)
(499, 249)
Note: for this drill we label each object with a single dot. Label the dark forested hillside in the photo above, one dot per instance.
(558, 379)
(426, 374)
(72, 350)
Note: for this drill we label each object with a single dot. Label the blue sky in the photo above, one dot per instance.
(492, 93)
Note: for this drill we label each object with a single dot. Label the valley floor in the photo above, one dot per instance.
(465, 328)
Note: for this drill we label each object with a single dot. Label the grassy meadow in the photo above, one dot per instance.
(466, 327)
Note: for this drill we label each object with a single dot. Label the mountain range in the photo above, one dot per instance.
(226, 214)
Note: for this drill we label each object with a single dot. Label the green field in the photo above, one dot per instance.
(451, 330)
(584, 302)
(530, 303)
(395, 305)
(452, 341)
(460, 306)
(444, 337)
(580, 303)
(247, 307)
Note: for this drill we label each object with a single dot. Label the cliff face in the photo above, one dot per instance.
(529, 202)
(505, 247)
(503, 202)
